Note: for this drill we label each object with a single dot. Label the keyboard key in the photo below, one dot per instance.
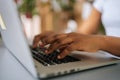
(50, 59)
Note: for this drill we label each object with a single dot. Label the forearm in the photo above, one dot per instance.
(87, 28)
(90, 25)
(110, 44)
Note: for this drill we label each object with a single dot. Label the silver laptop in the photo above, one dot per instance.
(15, 41)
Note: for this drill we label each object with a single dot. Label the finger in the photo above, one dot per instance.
(55, 37)
(40, 37)
(36, 41)
(61, 48)
(58, 36)
(59, 43)
(45, 36)
(67, 51)
(49, 39)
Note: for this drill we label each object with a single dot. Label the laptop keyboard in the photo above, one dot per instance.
(50, 59)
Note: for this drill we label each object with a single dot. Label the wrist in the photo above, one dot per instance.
(102, 43)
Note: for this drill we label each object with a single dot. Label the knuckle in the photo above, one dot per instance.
(57, 36)
(53, 46)
(60, 41)
(71, 34)
(69, 48)
(47, 40)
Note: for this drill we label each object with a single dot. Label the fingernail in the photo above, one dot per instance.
(41, 45)
(46, 51)
(59, 57)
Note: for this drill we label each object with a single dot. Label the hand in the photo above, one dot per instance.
(73, 41)
(41, 38)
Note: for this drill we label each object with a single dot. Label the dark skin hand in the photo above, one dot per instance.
(41, 38)
(67, 43)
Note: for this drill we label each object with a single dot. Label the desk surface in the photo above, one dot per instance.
(104, 73)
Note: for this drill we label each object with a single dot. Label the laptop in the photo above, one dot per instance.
(15, 41)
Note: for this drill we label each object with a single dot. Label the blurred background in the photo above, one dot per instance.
(53, 15)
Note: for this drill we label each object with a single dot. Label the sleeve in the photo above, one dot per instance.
(98, 5)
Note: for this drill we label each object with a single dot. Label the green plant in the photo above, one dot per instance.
(67, 7)
(27, 7)
(101, 29)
